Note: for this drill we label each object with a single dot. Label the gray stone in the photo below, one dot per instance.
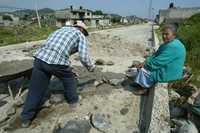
(98, 83)
(100, 122)
(11, 110)
(46, 104)
(73, 126)
(131, 73)
(56, 98)
(183, 126)
(173, 95)
(176, 112)
(2, 103)
(110, 63)
(124, 111)
(100, 62)
(116, 82)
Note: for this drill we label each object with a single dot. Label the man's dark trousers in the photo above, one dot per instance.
(40, 78)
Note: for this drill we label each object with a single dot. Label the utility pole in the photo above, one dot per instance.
(150, 9)
(38, 17)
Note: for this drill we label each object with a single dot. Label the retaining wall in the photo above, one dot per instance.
(154, 107)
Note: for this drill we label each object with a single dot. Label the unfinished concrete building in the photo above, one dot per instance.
(85, 15)
(176, 15)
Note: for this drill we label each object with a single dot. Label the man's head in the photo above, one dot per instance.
(82, 27)
(169, 33)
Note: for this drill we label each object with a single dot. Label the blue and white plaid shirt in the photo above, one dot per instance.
(63, 43)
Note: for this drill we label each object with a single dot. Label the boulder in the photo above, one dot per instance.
(75, 126)
(100, 122)
(184, 126)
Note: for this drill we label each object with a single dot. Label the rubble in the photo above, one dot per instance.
(124, 111)
(101, 123)
(75, 126)
(183, 126)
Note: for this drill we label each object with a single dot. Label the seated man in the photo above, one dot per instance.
(165, 65)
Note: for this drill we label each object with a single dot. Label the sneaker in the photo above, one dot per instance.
(26, 123)
(73, 106)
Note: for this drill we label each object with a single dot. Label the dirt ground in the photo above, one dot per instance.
(121, 46)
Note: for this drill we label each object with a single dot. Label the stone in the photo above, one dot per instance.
(110, 63)
(98, 83)
(115, 82)
(184, 126)
(46, 104)
(2, 103)
(173, 95)
(175, 111)
(124, 111)
(196, 105)
(6, 111)
(72, 126)
(100, 62)
(11, 110)
(100, 122)
(131, 73)
(56, 98)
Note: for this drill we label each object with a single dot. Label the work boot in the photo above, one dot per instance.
(73, 106)
(25, 123)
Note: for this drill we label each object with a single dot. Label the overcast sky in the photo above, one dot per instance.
(122, 7)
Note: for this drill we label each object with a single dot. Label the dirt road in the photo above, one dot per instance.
(116, 105)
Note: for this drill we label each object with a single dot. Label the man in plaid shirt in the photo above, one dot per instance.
(53, 59)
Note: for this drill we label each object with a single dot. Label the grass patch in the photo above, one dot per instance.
(23, 33)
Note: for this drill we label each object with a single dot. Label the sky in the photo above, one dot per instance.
(121, 7)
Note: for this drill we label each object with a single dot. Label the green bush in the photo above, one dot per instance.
(189, 32)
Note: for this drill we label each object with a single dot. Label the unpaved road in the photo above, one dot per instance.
(118, 105)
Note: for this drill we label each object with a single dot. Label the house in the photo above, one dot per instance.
(176, 15)
(131, 20)
(124, 20)
(85, 15)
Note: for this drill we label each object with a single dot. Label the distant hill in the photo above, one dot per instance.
(31, 12)
(46, 11)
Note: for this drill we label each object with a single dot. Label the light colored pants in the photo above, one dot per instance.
(143, 78)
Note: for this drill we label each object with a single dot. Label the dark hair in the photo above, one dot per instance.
(173, 27)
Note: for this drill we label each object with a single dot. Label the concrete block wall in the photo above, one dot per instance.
(154, 107)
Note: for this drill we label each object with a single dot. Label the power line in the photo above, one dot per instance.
(150, 9)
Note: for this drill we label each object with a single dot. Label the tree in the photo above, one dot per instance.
(98, 12)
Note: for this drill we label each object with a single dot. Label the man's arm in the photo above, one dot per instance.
(84, 54)
(161, 59)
